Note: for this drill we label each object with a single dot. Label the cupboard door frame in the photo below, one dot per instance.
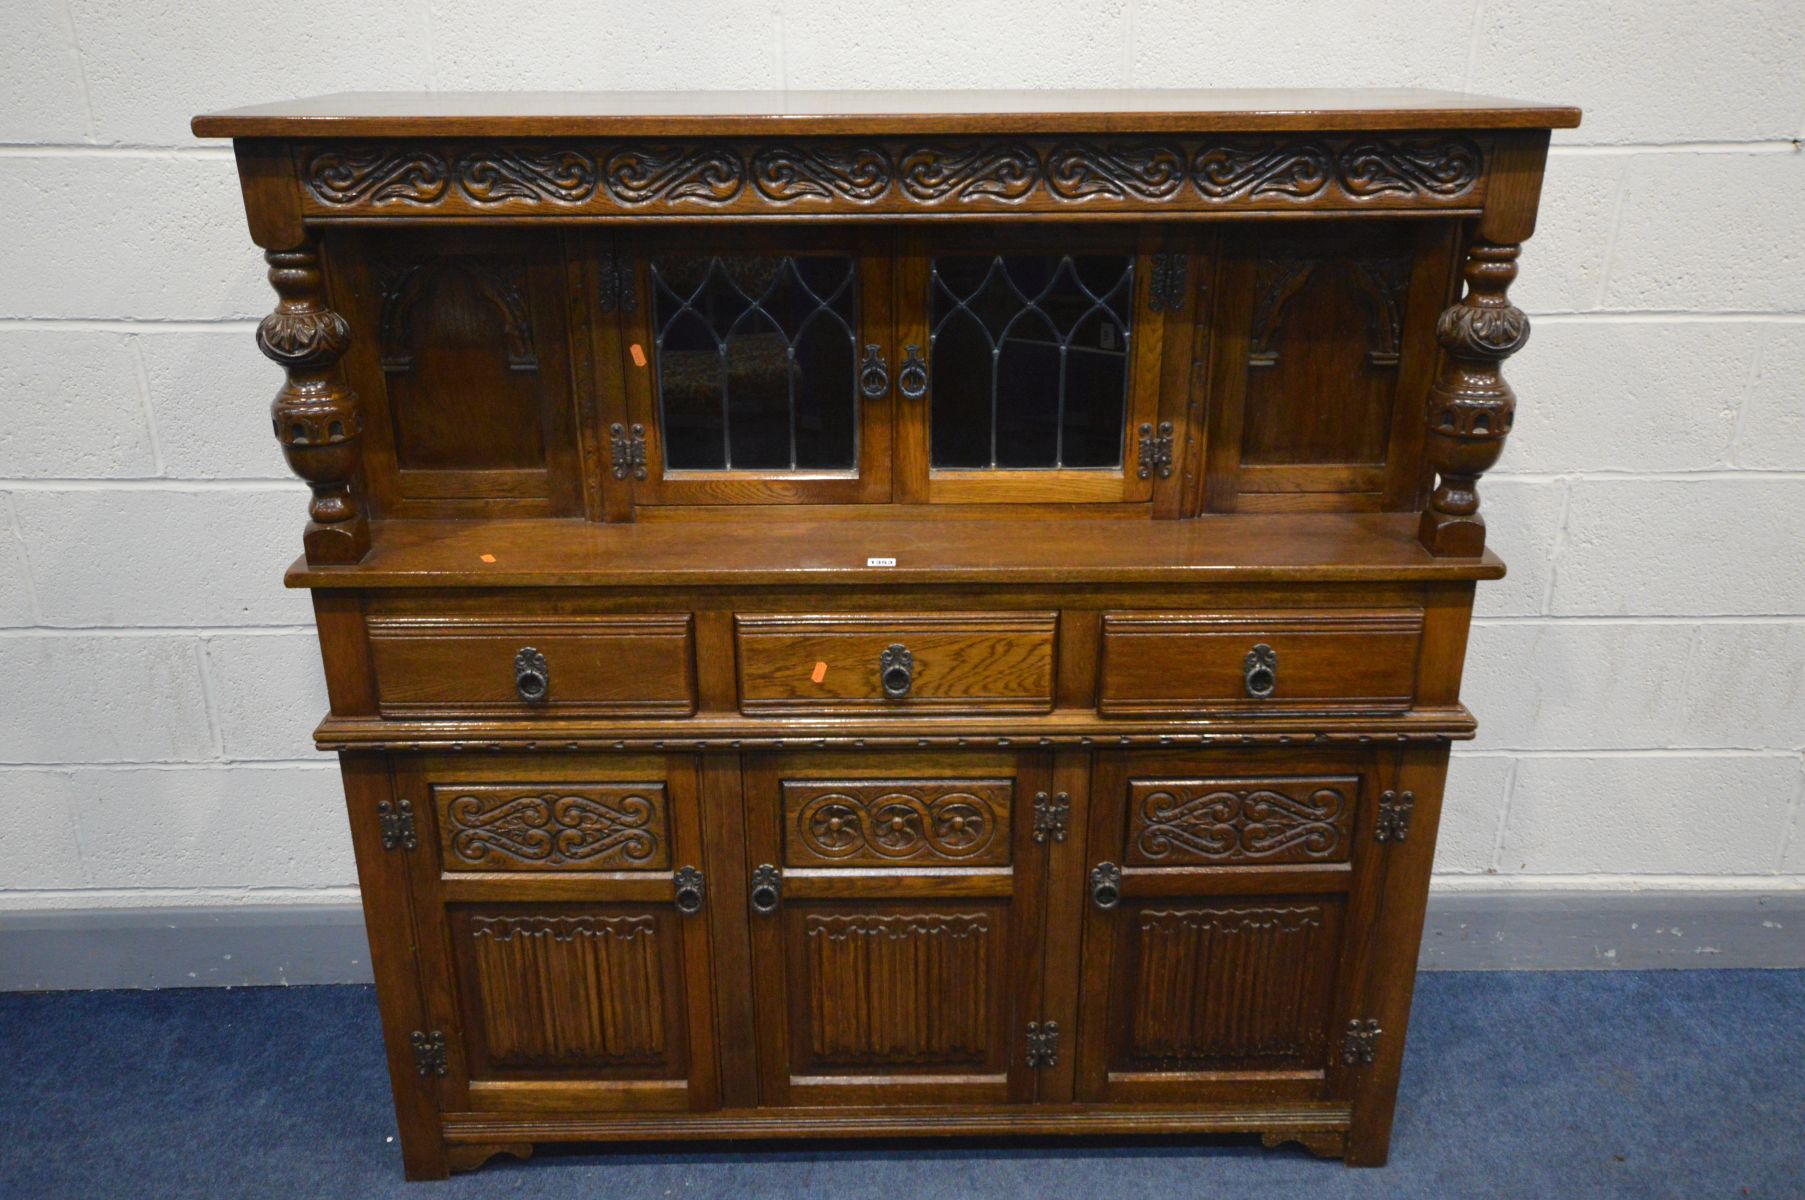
(891, 891)
(1359, 881)
(918, 481)
(869, 480)
(447, 898)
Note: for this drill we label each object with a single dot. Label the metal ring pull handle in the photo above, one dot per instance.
(767, 889)
(531, 678)
(690, 890)
(1106, 885)
(874, 372)
(896, 671)
(912, 380)
(1261, 671)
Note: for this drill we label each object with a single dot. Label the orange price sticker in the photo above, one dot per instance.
(488, 558)
(638, 353)
(819, 673)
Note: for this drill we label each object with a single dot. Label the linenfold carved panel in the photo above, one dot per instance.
(582, 990)
(879, 822)
(1223, 982)
(825, 174)
(1174, 822)
(573, 827)
(898, 989)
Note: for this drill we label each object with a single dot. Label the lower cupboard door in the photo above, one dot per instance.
(895, 907)
(1229, 895)
(563, 918)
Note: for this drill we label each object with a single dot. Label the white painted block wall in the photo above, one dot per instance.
(1639, 677)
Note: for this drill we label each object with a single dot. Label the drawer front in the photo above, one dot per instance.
(932, 663)
(1156, 663)
(553, 827)
(585, 666)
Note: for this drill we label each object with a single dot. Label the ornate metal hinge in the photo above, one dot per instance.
(397, 824)
(627, 450)
(1360, 1043)
(1156, 451)
(1050, 814)
(1166, 286)
(429, 1052)
(1043, 1044)
(1393, 824)
(615, 290)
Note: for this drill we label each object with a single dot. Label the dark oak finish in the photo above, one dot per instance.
(892, 614)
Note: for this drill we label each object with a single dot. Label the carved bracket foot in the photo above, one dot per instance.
(467, 1157)
(1323, 1143)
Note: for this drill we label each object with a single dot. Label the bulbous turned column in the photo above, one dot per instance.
(318, 419)
(1470, 406)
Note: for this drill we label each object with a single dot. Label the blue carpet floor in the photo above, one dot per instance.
(1683, 1084)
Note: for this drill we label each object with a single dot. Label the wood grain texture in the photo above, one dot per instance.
(894, 821)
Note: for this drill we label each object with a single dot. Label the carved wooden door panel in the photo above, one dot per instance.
(561, 904)
(896, 922)
(1226, 889)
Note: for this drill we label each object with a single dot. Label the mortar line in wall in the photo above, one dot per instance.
(432, 45)
(1475, 28)
(1791, 833)
(142, 483)
(1767, 145)
(324, 761)
(1542, 619)
(1523, 881)
(24, 631)
(1607, 260)
(25, 571)
(139, 325)
(1629, 752)
(1503, 826)
(142, 374)
(203, 663)
(81, 68)
(1560, 544)
(1749, 383)
(195, 897)
(1607, 474)
(1130, 11)
(1656, 316)
(112, 150)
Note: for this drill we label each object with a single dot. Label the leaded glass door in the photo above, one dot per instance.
(1038, 363)
(758, 370)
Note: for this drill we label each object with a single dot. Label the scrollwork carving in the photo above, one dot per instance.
(620, 827)
(998, 171)
(636, 175)
(1226, 170)
(809, 172)
(1116, 171)
(493, 175)
(377, 175)
(1212, 823)
(1441, 167)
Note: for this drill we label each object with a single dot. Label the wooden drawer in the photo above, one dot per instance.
(947, 662)
(1357, 660)
(628, 665)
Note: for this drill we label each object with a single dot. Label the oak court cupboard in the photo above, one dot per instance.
(887, 614)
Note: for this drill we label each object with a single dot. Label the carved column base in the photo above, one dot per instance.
(337, 544)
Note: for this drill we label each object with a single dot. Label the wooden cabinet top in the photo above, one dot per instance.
(762, 113)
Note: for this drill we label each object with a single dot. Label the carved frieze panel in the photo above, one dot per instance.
(880, 822)
(1177, 822)
(647, 176)
(572, 827)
